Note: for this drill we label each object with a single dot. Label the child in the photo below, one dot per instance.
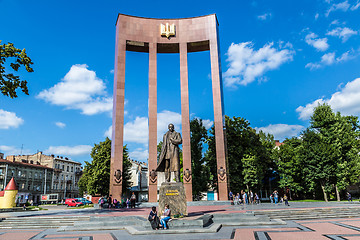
(286, 200)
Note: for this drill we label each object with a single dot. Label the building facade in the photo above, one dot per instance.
(139, 180)
(65, 175)
(31, 178)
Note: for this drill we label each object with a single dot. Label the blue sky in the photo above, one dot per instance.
(279, 59)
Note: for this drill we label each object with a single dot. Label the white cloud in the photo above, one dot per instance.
(319, 43)
(282, 131)
(329, 59)
(356, 6)
(307, 111)
(265, 16)
(137, 131)
(79, 89)
(343, 6)
(335, 22)
(139, 154)
(164, 118)
(12, 150)
(60, 124)
(9, 120)
(346, 101)
(112, 71)
(69, 150)
(316, 16)
(343, 33)
(246, 64)
(207, 123)
(108, 133)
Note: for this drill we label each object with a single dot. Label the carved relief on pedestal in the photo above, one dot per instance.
(187, 176)
(222, 174)
(118, 176)
(152, 177)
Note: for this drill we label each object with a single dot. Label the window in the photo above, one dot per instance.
(19, 173)
(67, 168)
(12, 173)
(30, 174)
(40, 175)
(36, 175)
(23, 174)
(29, 186)
(72, 169)
(63, 167)
(23, 186)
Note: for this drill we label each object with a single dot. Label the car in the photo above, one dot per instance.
(72, 202)
(84, 201)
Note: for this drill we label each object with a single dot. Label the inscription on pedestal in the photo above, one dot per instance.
(174, 195)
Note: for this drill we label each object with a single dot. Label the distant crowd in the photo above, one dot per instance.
(109, 202)
(253, 198)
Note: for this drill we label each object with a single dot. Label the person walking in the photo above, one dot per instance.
(133, 200)
(231, 197)
(349, 198)
(276, 196)
(257, 199)
(286, 200)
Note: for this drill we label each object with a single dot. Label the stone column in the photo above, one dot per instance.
(152, 122)
(218, 113)
(185, 121)
(116, 163)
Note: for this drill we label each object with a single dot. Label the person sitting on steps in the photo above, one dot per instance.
(154, 219)
(166, 217)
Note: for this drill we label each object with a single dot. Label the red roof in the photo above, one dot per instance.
(278, 143)
(24, 164)
(11, 185)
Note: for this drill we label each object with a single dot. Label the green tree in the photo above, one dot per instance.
(242, 143)
(251, 171)
(8, 81)
(319, 167)
(341, 134)
(96, 174)
(200, 172)
(290, 165)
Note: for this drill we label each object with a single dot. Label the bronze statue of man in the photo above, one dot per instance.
(169, 160)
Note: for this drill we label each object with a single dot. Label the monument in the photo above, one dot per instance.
(172, 194)
(155, 36)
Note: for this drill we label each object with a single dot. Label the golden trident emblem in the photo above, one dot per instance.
(167, 30)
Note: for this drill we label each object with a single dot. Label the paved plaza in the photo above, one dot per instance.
(336, 221)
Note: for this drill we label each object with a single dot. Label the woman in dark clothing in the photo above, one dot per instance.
(154, 219)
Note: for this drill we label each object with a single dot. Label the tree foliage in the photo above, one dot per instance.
(290, 165)
(249, 154)
(200, 172)
(326, 156)
(96, 174)
(9, 82)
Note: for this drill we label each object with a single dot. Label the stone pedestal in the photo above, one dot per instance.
(174, 195)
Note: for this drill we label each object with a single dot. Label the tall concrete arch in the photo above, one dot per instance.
(154, 36)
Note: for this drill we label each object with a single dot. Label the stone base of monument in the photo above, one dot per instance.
(173, 194)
